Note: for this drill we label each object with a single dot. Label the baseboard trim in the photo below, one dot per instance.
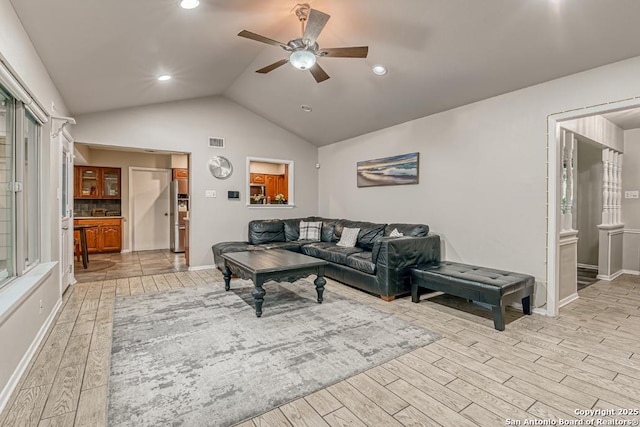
(564, 301)
(632, 272)
(541, 311)
(588, 266)
(611, 277)
(201, 267)
(125, 251)
(26, 359)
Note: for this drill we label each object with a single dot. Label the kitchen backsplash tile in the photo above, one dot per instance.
(83, 207)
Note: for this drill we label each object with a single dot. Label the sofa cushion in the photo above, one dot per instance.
(290, 246)
(412, 230)
(265, 231)
(328, 228)
(329, 252)
(291, 229)
(362, 261)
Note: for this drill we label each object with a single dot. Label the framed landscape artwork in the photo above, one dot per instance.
(395, 170)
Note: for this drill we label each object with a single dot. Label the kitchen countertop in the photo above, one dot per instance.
(99, 217)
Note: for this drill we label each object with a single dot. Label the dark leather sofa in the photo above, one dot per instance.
(378, 264)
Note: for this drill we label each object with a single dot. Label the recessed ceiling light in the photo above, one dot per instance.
(379, 70)
(189, 4)
(164, 77)
(306, 108)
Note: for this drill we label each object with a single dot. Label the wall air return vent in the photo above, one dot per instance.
(216, 142)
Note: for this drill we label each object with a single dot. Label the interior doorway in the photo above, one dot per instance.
(588, 209)
(149, 194)
(617, 246)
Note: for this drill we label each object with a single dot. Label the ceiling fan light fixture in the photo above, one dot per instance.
(164, 77)
(302, 59)
(189, 4)
(379, 70)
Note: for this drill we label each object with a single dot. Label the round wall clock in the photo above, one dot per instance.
(220, 167)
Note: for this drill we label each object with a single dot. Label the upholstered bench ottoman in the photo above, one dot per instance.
(495, 287)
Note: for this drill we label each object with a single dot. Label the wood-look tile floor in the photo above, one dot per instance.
(130, 264)
(539, 368)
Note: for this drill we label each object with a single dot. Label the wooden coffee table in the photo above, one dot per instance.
(273, 264)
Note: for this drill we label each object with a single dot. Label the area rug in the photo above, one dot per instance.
(200, 357)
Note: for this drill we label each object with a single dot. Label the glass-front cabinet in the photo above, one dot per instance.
(87, 180)
(110, 179)
(97, 182)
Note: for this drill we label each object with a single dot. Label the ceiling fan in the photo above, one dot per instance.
(304, 51)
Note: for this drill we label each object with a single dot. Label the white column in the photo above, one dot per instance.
(606, 189)
(619, 221)
(567, 150)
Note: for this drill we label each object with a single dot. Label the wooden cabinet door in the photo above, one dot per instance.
(257, 178)
(272, 187)
(88, 185)
(111, 238)
(110, 183)
(93, 239)
(283, 186)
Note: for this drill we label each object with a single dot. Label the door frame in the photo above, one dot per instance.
(554, 190)
(131, 210)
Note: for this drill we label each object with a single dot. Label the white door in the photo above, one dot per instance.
(66, 211)
(149, 199)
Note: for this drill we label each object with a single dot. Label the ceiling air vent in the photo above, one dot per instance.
(216, 142)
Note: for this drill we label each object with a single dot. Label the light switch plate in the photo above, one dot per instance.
(631, 194)
(209, 193)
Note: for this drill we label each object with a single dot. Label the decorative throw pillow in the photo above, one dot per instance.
(349, 237)
(310, 231)
(395, 233)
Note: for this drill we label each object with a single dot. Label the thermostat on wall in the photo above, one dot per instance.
(233, 194)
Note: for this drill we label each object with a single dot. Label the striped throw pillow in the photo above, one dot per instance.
(310, 231)
(349, 237)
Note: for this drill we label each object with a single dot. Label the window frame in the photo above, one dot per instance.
(22, 226)
(291, 175)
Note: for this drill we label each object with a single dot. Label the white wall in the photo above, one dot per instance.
(588, 206)
(187, 126)
(123, 160)
(483, 172)
(21, 324)
(631, 207)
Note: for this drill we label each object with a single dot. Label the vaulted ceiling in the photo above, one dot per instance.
(105, 55)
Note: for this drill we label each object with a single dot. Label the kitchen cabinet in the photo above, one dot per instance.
(271, 187)
(180, 173)
(283, 187)
(92, 182)
(104, 235)
(258, 178)
(276, 184)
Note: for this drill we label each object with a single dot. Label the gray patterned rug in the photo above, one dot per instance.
(199, 356)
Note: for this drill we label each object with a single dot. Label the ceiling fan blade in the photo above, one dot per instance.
(272, 67)
(318, 73)
(345, 52)
(315, 23)
(259, 38)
